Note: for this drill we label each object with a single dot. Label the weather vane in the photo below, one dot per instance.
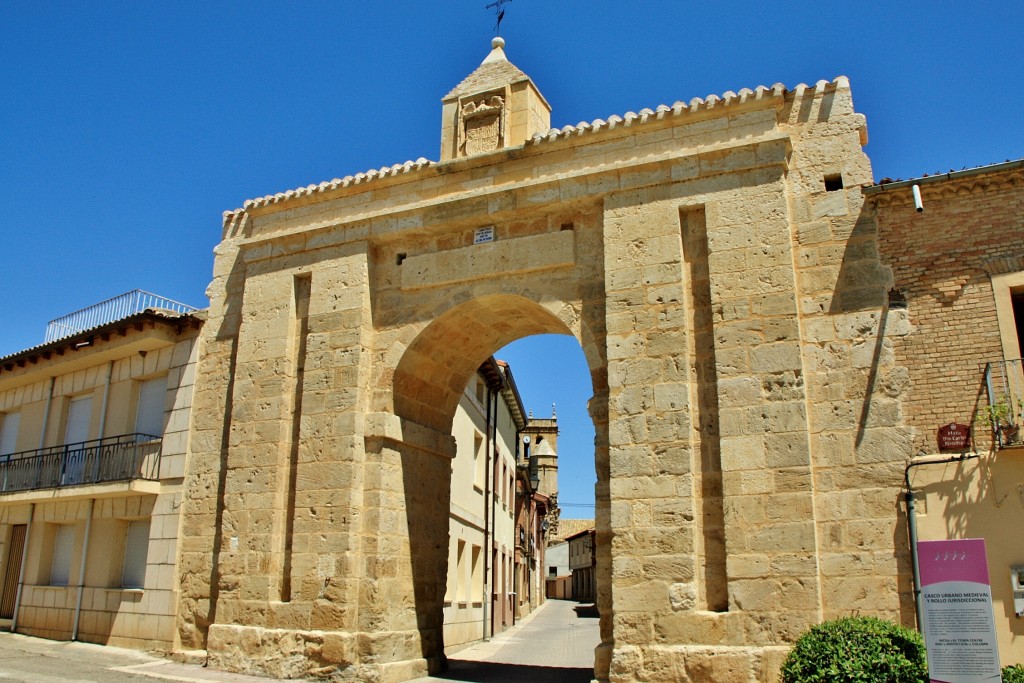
(496, 6)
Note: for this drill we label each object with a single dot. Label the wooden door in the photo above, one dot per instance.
(10, 589)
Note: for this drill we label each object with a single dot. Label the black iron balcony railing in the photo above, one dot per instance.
(1004, 414)
(115, 458)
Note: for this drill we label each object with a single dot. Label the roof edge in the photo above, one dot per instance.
(74, 341)
(952, 175)
(727, 99)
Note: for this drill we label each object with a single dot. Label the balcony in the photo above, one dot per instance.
(122, 458)
(1004, 414)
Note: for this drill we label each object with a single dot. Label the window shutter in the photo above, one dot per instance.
(149, 418)
(136, 548)
(60, 564)
(79, 415)
(9, 433)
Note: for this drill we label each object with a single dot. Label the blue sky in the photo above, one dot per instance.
(127, 128)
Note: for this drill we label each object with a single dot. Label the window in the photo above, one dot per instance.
(9, 423)
(136, 548)
(461, 585)
(1017, 299)
(500, 484)
(834, 182)
(477, 589)
(77, 431)
(79, 416)
(149, 416)
(1008, 289)
(496, 475)
(478, 460)
(552, 572)
(60, 562)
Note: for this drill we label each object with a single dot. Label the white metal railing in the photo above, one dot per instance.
(118, 307)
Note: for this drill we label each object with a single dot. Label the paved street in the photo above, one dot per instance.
(555, 644)
(36, 660)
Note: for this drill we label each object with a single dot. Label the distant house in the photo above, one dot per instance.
(583, 565)
(559, 577)
(557, 560)
(567, 528)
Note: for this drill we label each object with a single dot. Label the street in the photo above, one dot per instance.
(35, 660)
(555, 644)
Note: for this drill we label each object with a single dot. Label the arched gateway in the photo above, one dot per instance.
(713, 261)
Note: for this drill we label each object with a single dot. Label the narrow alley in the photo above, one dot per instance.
(555, 644)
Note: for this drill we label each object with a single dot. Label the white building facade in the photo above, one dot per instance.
(94, 430)
(480, 587)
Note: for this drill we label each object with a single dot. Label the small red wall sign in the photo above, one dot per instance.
(954, 437)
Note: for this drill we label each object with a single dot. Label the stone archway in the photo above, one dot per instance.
(353, 441)
(454, 344)
(724, 295)
(427, 385)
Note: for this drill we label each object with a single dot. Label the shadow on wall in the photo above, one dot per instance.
(489, 672)
(904, 575)
(427, 486)
(861, 286)
(862, 281)
(981, 498)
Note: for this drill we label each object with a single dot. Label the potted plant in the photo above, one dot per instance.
(1003, 420)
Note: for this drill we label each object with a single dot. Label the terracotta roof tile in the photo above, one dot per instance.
(710, 102)
(570, 527)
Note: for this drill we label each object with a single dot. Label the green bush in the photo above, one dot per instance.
(1013, 673)
(861, 649)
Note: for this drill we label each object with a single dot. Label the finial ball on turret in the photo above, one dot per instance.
(497, 42)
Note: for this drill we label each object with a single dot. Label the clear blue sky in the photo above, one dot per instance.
(126, 128)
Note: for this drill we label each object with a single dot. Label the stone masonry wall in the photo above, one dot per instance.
(855, 386)
(749, 439)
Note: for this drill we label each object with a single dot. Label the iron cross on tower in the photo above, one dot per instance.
(496, 6)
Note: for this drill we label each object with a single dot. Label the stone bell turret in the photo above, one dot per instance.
(495, 107)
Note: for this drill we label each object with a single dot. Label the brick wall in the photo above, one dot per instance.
(942, 260)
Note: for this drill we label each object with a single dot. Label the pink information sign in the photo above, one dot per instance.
(959, 630)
